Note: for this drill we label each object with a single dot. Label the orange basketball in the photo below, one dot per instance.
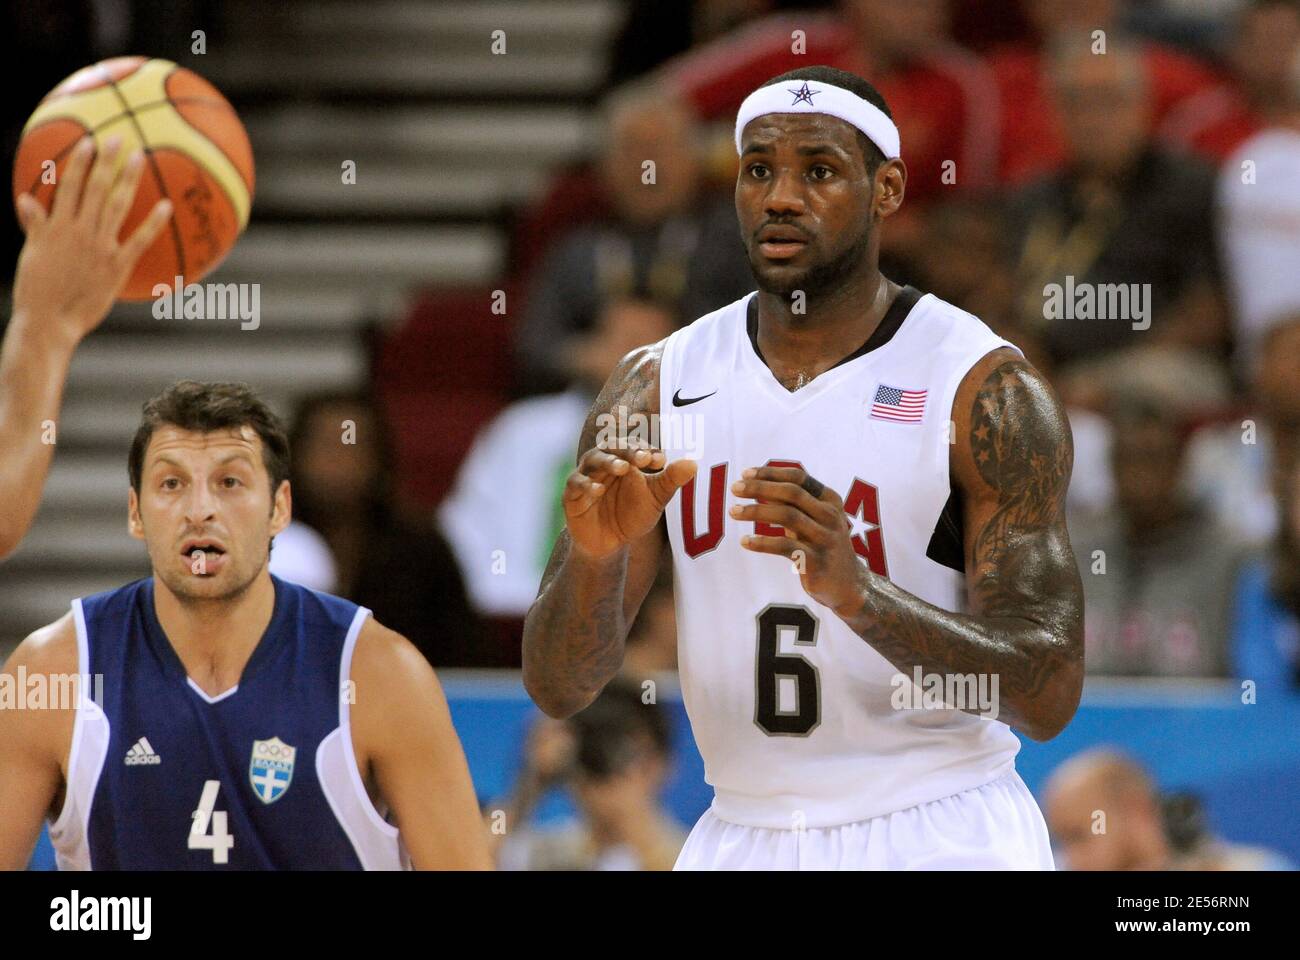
(196, 154)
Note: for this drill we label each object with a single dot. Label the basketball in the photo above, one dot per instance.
(196, 150)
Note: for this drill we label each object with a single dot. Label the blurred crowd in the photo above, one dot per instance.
(1063, 144)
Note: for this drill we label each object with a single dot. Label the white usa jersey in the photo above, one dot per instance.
(792, 711)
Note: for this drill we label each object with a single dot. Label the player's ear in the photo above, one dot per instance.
(133, 522)
(281, 508)
(890, 185)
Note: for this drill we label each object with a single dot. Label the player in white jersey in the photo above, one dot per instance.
(862, 488)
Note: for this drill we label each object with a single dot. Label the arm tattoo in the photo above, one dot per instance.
(574, 632)
(575, 629)
(1025, 593)
(1028, 463)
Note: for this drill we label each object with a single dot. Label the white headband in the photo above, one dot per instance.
(796, 96)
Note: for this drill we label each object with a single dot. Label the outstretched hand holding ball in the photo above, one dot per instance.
(196, 154)
(73, 266)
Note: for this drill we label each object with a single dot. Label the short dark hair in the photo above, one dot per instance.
(851, 82)
(208, 407)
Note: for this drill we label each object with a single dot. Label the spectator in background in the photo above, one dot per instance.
(1202, 27)
(504, 512)
(614, 756)
(1217, 120)
(1236, 469)
(1156, 569)
(966, 260)
(1259, 201)
(1228, 470)
(1124, 212)
(1105, 813)
(1033, 141)
(341, 480)
(669, 241)
(1101, 784)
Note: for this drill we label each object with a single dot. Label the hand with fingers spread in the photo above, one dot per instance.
(73, 265)
(816, 533)
(618, 493)
(69, 273)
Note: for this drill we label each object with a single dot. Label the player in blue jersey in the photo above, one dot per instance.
(224, 718)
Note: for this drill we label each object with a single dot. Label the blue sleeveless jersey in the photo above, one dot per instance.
(163, 777)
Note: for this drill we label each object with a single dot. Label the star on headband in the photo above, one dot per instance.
(803, 94)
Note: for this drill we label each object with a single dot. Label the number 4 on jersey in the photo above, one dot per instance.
(219, 841)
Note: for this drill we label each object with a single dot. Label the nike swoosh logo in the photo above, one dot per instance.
(680, 401)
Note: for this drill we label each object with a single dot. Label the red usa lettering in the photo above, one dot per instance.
(861, 505)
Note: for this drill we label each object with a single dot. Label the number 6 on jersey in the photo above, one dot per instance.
(773, 667)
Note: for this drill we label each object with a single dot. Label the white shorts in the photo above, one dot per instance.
(994, 827)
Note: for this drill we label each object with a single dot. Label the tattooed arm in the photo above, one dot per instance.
(608, 554)
(1011, 466)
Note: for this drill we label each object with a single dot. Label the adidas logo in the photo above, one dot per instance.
(142, 754)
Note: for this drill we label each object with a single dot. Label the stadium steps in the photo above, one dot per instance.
(416, 74)
(75, 540)
(496, 136)
(390, 189)
(87, 482)
(131, 366)
(415, 49)
(585, 22)
(366, 254)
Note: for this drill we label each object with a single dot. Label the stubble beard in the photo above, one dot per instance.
(820, 278)
(185, 593)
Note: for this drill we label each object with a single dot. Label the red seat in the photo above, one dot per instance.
(432, 432)
(441, 375)
(450, 339)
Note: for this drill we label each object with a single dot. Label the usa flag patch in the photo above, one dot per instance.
(897, 405)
